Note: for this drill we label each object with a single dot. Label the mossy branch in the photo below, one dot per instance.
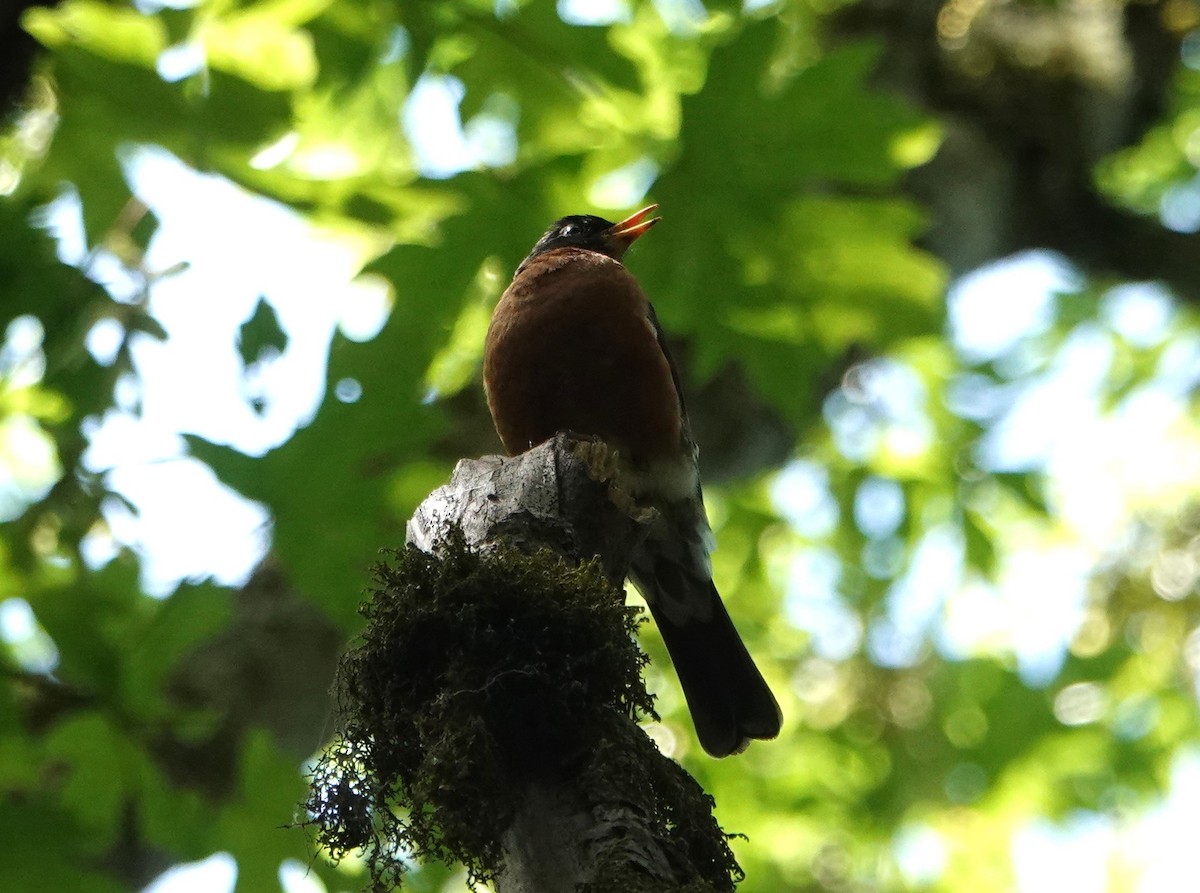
(489, 710)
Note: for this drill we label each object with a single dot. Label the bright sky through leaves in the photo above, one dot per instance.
(971, 579)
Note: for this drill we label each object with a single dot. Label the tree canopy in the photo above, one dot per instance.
(930, 271)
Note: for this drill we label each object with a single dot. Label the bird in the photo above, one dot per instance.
(574, 345)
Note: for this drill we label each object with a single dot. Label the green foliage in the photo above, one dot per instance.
(1166, 159)
(788, 252)
(261, 332)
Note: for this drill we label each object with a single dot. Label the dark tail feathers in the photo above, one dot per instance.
(728, 698)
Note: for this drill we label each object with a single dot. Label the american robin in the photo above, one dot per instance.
(574, 345)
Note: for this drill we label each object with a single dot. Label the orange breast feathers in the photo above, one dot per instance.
(572, 347)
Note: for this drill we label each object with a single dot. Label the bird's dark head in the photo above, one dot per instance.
(594, 234)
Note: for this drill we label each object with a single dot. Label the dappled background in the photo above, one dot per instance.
(931, 270)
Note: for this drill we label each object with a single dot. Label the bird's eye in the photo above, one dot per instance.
(569, 230)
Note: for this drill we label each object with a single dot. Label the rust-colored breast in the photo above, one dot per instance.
(571, 347)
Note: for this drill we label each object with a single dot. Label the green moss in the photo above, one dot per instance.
(471, 677)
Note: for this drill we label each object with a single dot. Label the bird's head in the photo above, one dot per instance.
(595, 233)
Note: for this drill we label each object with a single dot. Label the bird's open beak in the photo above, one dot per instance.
(626, 232)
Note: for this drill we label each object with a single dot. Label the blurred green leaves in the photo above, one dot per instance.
(774, 249)
(1167, 158)
(787, 262)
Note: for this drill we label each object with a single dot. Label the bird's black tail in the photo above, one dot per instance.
(728, 698)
